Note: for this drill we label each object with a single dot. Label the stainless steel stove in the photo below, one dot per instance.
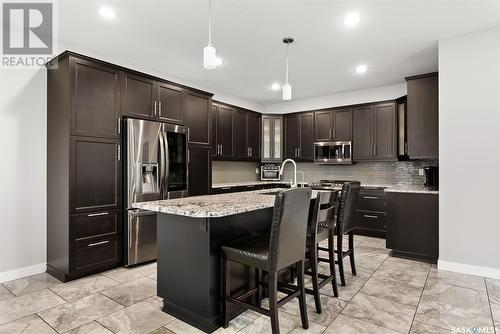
(327, 185)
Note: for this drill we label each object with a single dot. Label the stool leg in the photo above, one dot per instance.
(314, 268)
(351, 254)
(302, 296)
(258, 295)
(331, 258)
(340, 258)
(273, 301)
(225, 290)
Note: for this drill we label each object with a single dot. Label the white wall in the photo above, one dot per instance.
(340, 99)
(469, 158)
(22, 172)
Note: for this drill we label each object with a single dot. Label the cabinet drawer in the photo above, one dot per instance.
(371, 202)
(95, 254)
(370, 220)
(92, 225)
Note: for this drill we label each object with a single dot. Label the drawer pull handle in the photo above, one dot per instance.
(98, 214)
(370, 216)
(98, 243)
(370, 197)
(226, 188)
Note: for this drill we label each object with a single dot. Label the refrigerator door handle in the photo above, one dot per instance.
(167, 160)
(162, 162)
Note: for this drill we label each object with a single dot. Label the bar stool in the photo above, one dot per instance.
(283, 247)
(322, 227)
(345, 226)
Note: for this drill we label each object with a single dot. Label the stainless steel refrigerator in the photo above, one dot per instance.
(156, 168)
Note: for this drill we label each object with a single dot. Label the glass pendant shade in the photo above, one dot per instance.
(209, 57)
(287, 91)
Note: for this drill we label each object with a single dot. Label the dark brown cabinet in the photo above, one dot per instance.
(254, 121)
(200, 170)
(333, 125)
(170, 103)
(272, 138)
(422, 116)
(223, 128)
(240, 135)
(96, 103)
(371, 212)
(198, 118)
(95, 174)
(299, 136)
(374, 136)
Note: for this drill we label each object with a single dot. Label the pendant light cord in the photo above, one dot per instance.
(286, 73)
(209, 23)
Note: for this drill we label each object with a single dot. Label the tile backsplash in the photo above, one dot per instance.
(397, 172)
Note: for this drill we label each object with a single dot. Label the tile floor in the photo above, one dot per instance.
(389, 295)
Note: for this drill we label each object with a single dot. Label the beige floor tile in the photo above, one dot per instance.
(75, 314)
(452, 294)
(83, 287)
(368, 258)
(132, 292)
(331, 307)
(287, 322)
(5, 293)
(162, 330)
(400, 293)
(400, 271)
(373, 242)
(380, 312)
(238, 323)
(493, 290)
(31, 284)
(348, 325)
(20, 307)
(180, 327)
(458, 279)
(92, 327)
(31, 324)
(495, 311)
(421, 328)
(142, 317)
(353, 284)
(128, 274)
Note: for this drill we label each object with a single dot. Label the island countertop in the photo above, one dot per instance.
(221, 205)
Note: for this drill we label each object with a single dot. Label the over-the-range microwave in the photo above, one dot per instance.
(336, 152)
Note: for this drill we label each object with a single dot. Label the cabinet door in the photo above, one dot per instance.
(95, 174)
(306, 148)
(225, 131)
(170, 103)
(96, 99)
(240, 148)
(139, 96)
(277, 139)
(363, 133)
(197, 117)
(292, 137)
(342, 124)
(200, 170)
(323, 125)
(422, 116)
(384, 116)
(214, 116)
(253, 135)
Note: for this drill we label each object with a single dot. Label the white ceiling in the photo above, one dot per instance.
(394, 39)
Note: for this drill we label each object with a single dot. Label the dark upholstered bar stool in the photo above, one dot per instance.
(283, 247)
(322, 227)
(345, 225)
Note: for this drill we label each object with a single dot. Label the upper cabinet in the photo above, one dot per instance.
(299, 136)
(375, 132)
(171, 103)
(96, 102)
(197, 117)
(333, 125)
(235, 133)
(422, 116)
(272, 138)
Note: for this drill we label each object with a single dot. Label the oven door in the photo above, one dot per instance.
(269, 174)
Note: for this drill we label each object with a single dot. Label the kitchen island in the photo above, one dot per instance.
(190, 232)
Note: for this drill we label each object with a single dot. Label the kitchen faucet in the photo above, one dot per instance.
(294, 184)
(303, 178)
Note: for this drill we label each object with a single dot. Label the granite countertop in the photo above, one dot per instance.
(247, 183)
(411, 189)
(210, 206)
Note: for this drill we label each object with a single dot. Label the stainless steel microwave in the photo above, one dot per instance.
(270, 172)
(337, 152)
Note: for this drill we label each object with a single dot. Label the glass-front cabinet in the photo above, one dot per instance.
(272, 138)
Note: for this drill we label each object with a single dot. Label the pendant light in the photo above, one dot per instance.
(287, 88)
(209, 54)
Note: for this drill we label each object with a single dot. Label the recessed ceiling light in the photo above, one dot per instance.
(275, 86)
(107, 12)
(361, 69)
(218, 61)
(351, 19)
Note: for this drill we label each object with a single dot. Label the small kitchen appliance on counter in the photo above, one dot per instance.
(269, 172)
(431, 176)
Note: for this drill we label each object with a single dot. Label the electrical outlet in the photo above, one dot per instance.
(421, 171)
(256, 171)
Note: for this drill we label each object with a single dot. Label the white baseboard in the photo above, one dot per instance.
(469, 269)
(22, 272)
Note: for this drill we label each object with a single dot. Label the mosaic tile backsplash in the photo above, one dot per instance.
(398, 172)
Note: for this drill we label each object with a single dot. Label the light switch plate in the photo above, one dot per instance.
(421, 171)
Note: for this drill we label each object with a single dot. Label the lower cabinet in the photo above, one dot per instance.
(371, 212)
(413, 225)
(200, 170)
